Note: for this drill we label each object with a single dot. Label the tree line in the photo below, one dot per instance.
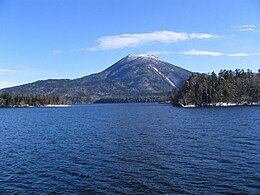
(26, 100)
(237, 87)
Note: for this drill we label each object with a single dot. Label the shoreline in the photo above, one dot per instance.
(56, 105)
(40, 106)
(219, 104)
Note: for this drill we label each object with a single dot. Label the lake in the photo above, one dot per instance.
(130, 149)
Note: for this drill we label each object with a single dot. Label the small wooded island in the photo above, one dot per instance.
(228, 88)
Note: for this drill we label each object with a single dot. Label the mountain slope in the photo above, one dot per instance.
(132, 76)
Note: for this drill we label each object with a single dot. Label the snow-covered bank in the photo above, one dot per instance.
(39, 106)
(220, 104)
(188, 106)
(56, 105)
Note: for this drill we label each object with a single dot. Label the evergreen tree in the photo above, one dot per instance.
(230, 87)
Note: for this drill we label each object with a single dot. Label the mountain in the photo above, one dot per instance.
(134, 76)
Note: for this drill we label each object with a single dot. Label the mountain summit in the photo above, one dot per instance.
(138, 76)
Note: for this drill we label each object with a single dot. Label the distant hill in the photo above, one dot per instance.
(228, 88)
(141, 77)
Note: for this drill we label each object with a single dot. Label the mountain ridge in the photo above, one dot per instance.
(132, 76)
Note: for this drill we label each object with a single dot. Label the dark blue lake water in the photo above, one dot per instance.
(130, 149)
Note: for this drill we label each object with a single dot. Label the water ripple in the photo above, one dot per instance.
(130, 149)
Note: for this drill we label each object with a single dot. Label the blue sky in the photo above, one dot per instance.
(42, 39)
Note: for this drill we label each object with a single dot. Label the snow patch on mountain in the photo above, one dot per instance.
(149, 56)
(165, 77)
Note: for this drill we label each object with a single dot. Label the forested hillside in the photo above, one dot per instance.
(25, 100)
(139, 77)
(237, 87)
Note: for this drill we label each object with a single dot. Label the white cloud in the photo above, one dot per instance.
(202, 53)
(160, 52)
(79, 50)
(247, 28)
(243, 54)
(57, 52)
(215, 54)
(4, 84)
(13, 69)
(4, 71)
(203, 36)
(133, 40)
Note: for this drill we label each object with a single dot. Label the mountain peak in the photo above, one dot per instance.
(147, 56)
(134, 76)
